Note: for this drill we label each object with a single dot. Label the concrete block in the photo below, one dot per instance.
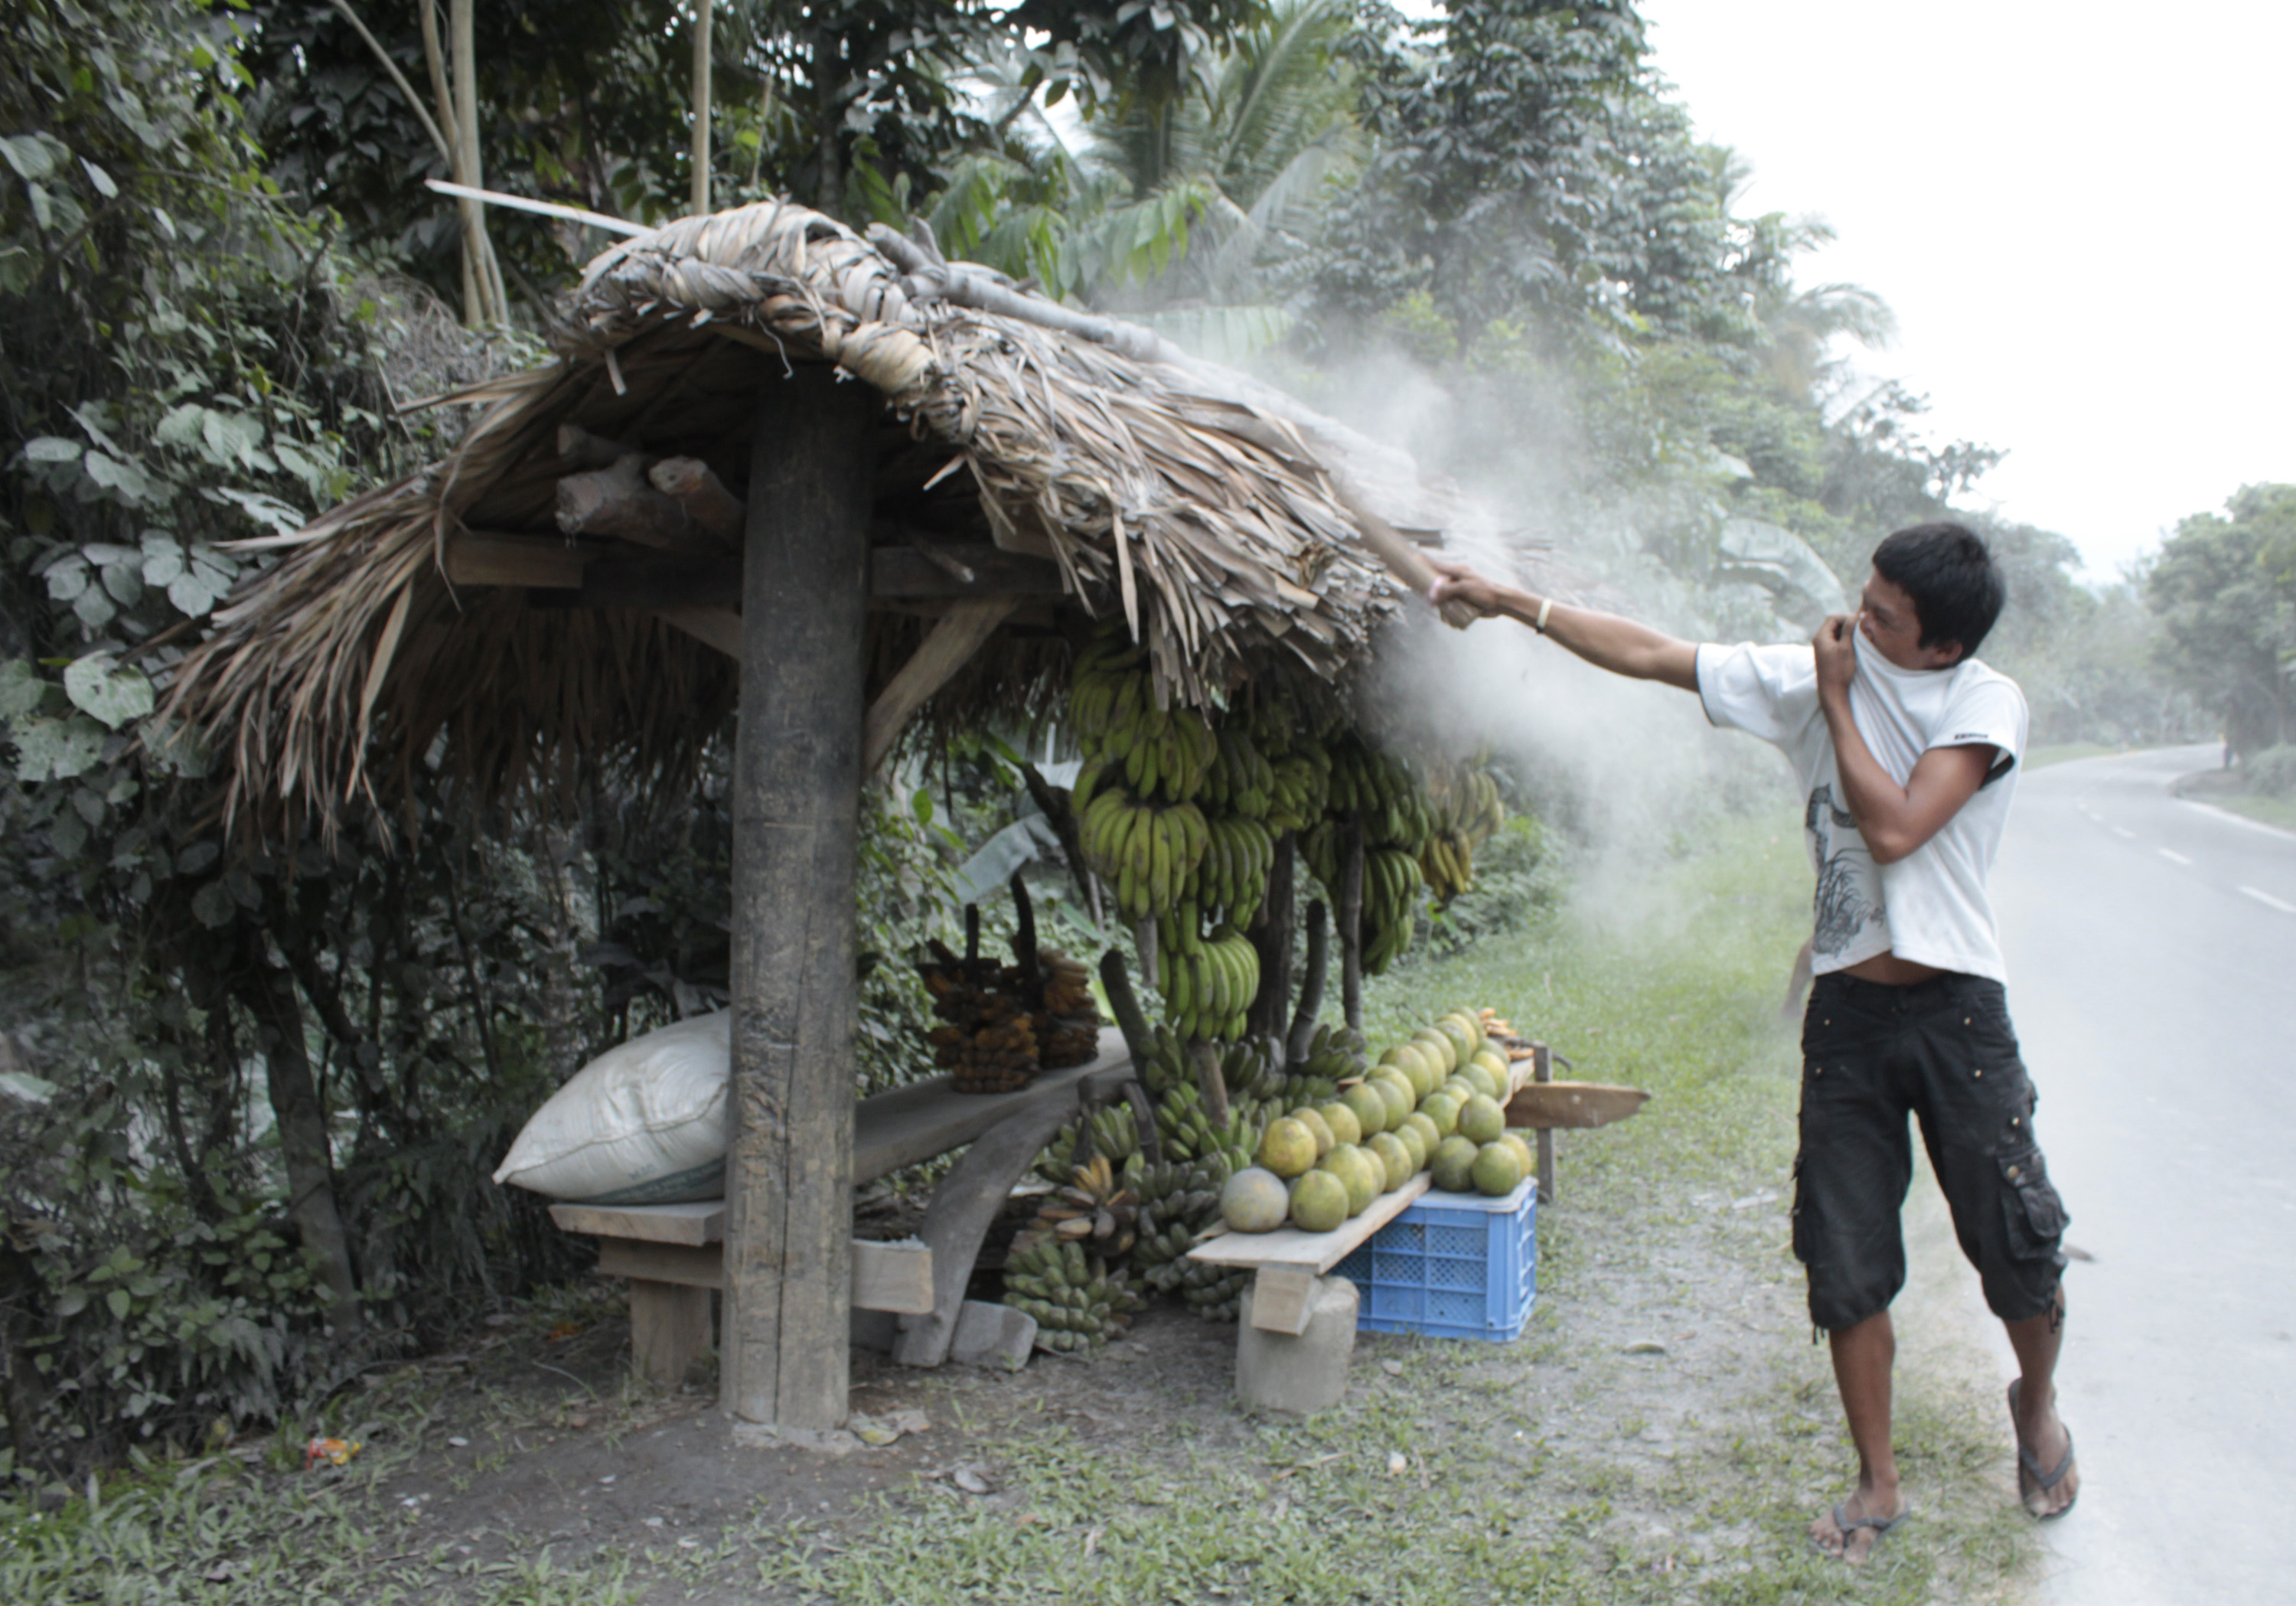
(1279, 1371)
(993, 1335)
(875, 1330)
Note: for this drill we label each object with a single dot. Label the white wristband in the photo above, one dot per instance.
(1545, 606)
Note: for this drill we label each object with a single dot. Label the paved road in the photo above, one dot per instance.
(2152, 949)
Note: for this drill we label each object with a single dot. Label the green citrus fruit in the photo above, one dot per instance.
(1288, 1148)
(1394, 1155)
(1482, 1121)
(1255, 1200)
(1454, 1165)
(1314, 1120)
(1319, 1201)
(1497, 1172)
(1340, 1120)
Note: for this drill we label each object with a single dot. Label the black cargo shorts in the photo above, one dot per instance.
(1942, 1049)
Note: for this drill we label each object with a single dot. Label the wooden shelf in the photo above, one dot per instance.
(930, 1118)
(1316, 1252)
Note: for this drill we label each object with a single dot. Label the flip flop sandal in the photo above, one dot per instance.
(2030, 1478)
(1849, 1525)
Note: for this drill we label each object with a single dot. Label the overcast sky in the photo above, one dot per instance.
(2083, 215)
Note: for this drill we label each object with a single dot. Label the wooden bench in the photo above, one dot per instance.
(674, 1255)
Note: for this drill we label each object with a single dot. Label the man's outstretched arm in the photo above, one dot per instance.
(1604, 640)
(1894, 820)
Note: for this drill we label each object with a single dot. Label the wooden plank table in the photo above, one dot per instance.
(675, 1255)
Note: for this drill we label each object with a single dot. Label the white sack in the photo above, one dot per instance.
(644, 1123)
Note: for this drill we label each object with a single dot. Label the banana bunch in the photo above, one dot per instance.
(1240, 781)
(1208, 984)
(1115, 1138)
(1231, 877)
(1335, 1054)
(1215, 1293)
(1147, 853)
(1177, 1202)
(1068, 984)
(1302, 789)
(1079, 1301)
(1249, 1069)
(1187, 1132)
(1390, 905)
(1164, 753)
(1167, 1065)
(1095, 1207)
(1381, 788)
(1467, 810)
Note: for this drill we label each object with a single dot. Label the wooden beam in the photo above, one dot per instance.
(947, 647)
(1546, 1105)
(492, 560)
(720, 628)
(941, 569)
(797, 787)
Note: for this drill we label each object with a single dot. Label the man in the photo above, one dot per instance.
(1907, 748)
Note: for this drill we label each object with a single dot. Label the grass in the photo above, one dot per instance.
(2279, 811)
(2059, 752)
(1560, 1468)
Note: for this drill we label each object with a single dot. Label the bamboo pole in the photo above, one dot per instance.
(702, 109)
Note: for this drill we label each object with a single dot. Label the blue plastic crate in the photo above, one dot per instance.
(1452, 1265)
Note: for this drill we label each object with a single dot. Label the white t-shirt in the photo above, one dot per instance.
(1930, 906)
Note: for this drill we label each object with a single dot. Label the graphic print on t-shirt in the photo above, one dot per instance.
(1845, 874)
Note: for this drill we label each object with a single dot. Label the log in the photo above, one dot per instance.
(1549, 1106)
(788, 1313)
(619, 502)
(689, 482)
(489, 560)
(947, 648)
(582, 449)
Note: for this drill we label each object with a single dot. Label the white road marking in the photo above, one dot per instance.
(2269, 901)
(2174, 856)
(2124, 831)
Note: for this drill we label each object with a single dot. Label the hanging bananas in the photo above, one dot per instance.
(1467, 810)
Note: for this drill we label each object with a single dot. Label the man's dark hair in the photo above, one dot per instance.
(1957, 589)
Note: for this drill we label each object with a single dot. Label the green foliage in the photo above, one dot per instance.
(2224, 588)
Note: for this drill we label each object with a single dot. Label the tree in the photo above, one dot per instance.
(2224, 588)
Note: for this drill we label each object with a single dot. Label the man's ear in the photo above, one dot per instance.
(1944, 654)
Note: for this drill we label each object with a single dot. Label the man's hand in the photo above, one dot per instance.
(1454, 582)
(1836, 645)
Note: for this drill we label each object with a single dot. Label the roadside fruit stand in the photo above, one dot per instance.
(830, 484)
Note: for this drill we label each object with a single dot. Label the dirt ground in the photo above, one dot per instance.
(1663, 1345)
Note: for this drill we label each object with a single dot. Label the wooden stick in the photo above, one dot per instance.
(946, 649)
(1209, 1082)
(1118, 985)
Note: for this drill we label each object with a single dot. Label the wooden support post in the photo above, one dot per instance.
(1542, 1069)
(797, 785)
(1351, 913)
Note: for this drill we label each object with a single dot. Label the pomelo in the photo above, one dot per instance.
(1442, 1109)
(1340, 1120)
(1495, 1063)
(1481, 1121)
(1524, 1150)
(1361, 1174)
(1439, 1047)
(1496, 1171)
(1400, 1099)
(1370, 1106)
(1418, 1130)
(1454, 1165)
(1464, 1041)
(1255, 1200)
(1394, 1155)
(1319, 1201)
(1288, 1148)
(1313, 1119)
(1419, 1071)
(1485, 1083)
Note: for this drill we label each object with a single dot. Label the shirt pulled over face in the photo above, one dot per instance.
(1932, 905)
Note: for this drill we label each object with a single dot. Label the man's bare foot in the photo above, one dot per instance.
(1851, 1529)
(2047, 1479)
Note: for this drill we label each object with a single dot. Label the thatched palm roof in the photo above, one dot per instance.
(1223, 522)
